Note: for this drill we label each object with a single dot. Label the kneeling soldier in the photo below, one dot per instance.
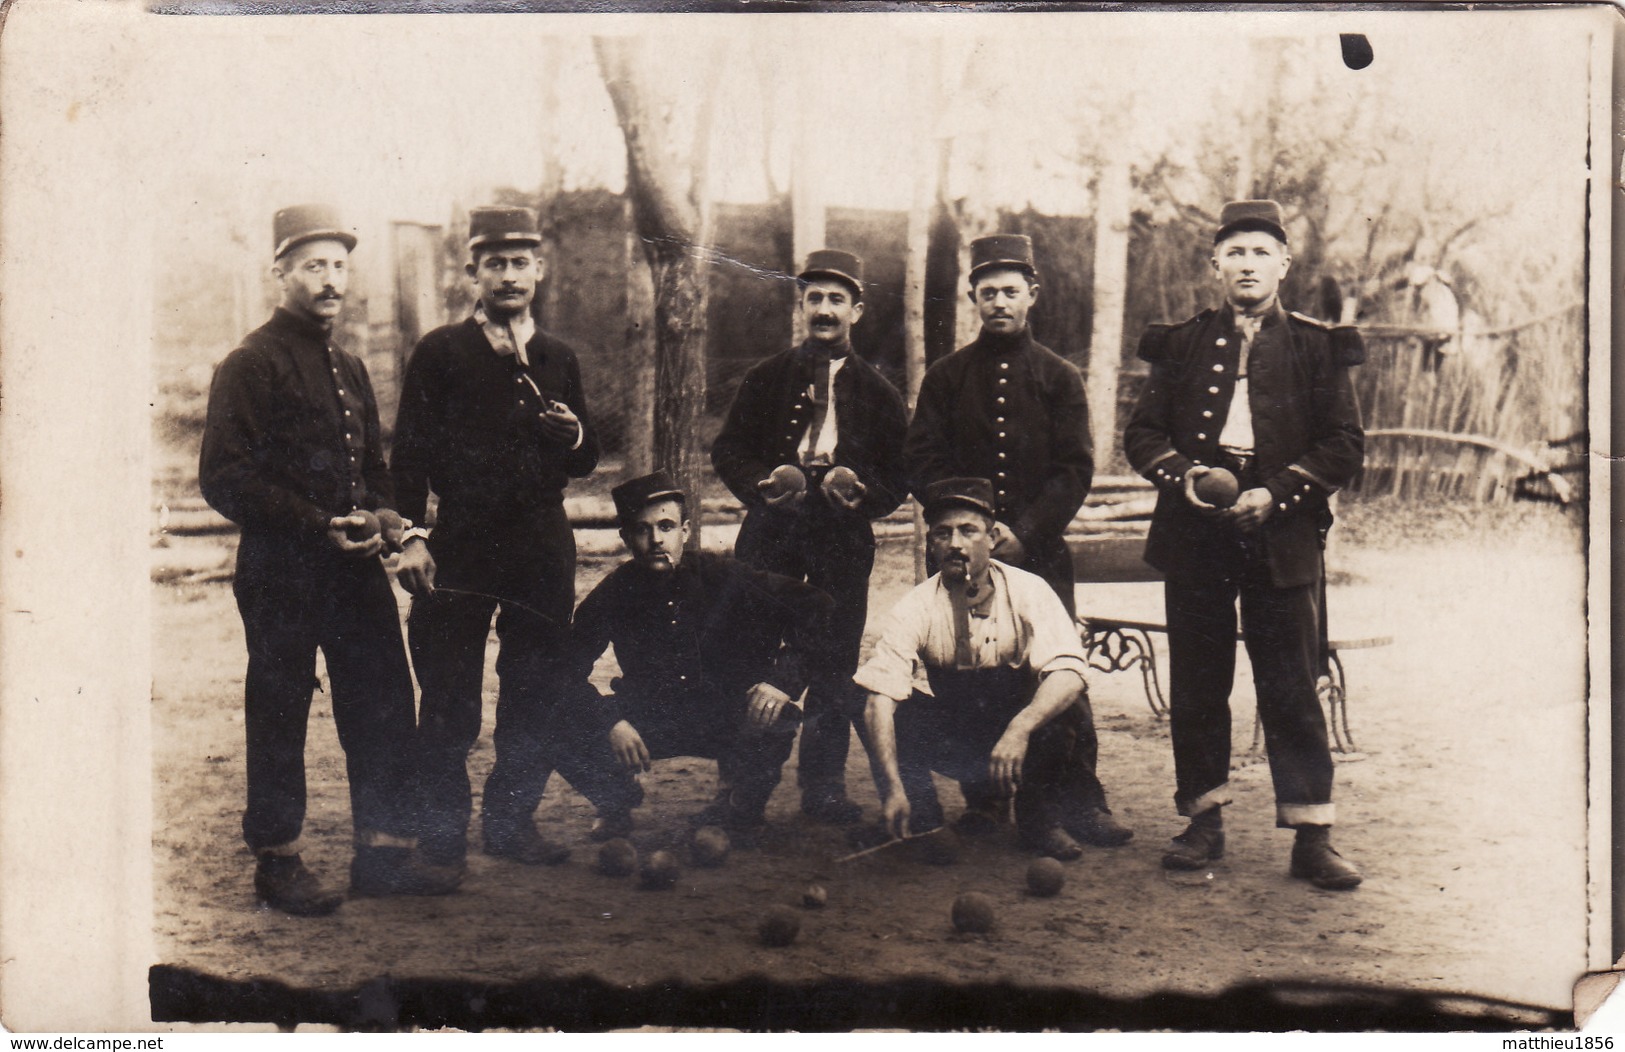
(712, 654)
(1004, 667)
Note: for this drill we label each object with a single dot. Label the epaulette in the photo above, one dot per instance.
(1348, 347)
(1154, 341)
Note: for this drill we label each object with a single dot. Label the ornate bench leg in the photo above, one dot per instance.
(1338, 707)
(1148, 671)
(1115, 648)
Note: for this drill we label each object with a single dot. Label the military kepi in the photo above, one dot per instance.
(1002, 250)
(297, 224)
(833, 263)
(499, 225)
(632, 497)
(947, 494)
(1251, 215)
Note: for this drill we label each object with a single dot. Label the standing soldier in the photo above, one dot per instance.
(1266, 396)
(494, 421)
(1008, 409)
(812, 448)
(292, 454)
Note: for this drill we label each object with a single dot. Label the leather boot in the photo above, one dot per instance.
(1096, 826)
(1315, 860)
(282, 882)
(378, 871)
(523, 844)
(1201, 842)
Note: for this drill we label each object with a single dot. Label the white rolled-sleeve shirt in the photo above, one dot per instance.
(1024, 626)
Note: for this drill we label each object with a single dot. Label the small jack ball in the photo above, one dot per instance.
(710, 846)
(779, 926)
(659, 871)
(618, 858)
(814, 897)
(1045, 877)
(366, 531)
(973, 913)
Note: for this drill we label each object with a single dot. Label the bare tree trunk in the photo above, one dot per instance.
(666, 182)
(926, 78)
(1113, 215)
(640, 357)
(552, 182)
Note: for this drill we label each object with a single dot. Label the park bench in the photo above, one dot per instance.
(1119, 644)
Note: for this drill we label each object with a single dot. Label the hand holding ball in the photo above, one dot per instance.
(843, 488)
(361, 526)
(1218, 487)
(786, 485)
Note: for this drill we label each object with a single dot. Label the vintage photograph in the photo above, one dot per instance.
(915, 519)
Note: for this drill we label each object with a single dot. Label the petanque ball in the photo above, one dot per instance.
(973, 913)
(659, 871)
(787, 478)
(366, 531)
(1045, 877)
(1218, 487)
(618, 858)
(779, 926)
(710, 846)
(814, 897)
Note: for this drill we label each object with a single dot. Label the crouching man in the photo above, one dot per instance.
(712, 656)
(1004, 668)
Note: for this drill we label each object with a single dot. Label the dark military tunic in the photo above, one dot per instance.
(1010, 410)
(690, 643)
(1308, 441)
(467, 429)
(292, 441)
(832, 548)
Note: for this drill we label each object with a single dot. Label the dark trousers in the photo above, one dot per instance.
(953, 733)
(835, 554)
(1282, 629)
(448, 631)
(709, 724)
(1081, 791)
(296, 597)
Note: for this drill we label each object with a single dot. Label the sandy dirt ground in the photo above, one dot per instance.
(1464, 805)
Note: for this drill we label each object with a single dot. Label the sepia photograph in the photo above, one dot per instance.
(911, 517)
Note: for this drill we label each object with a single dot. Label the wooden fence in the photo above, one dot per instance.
(1483, 416)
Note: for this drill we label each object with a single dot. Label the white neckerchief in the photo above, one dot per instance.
(507, 337)
(823, 444)
(1237, 433)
